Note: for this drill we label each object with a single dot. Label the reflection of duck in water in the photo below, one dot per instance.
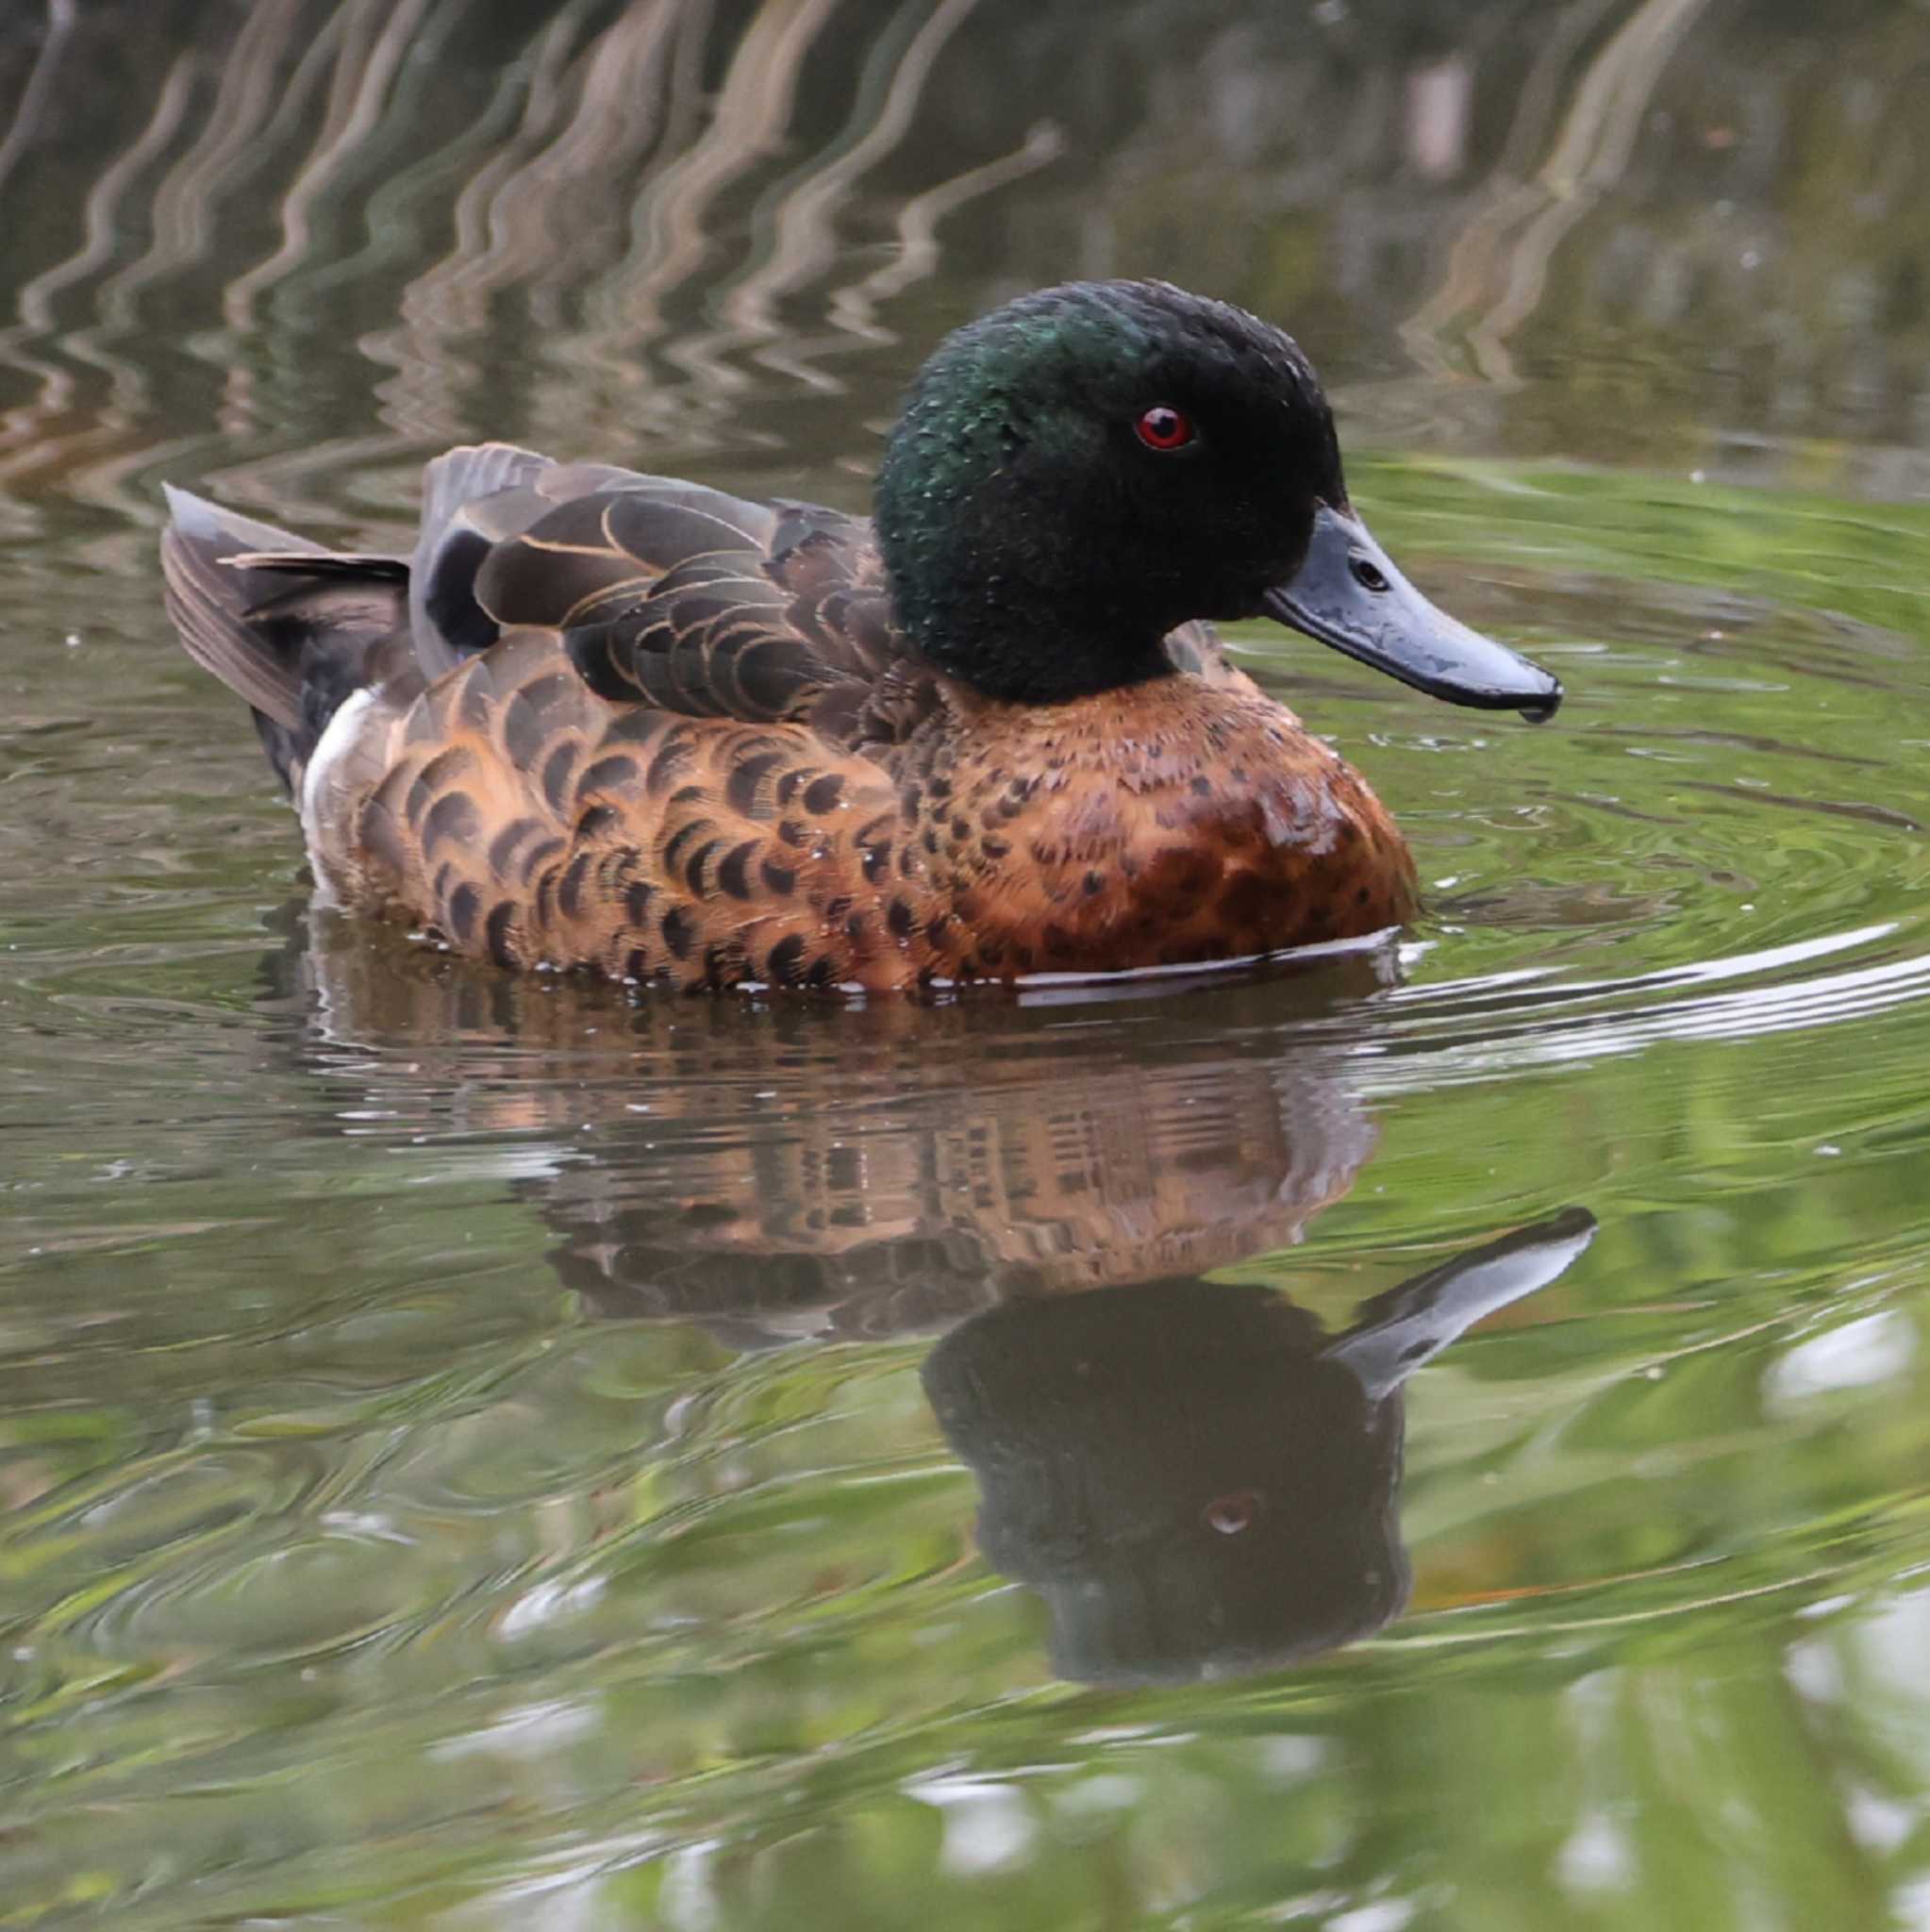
(814, 1170)
(1194, 1476)
(636, 724)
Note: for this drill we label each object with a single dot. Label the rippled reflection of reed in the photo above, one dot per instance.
(628, 209)
(675, 228)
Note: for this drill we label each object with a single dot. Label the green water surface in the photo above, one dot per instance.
(492, 1454)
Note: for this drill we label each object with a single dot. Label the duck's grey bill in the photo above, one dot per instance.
(1413, 1323)
(1348, 593)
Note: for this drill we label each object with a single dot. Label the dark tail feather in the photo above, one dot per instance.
(285, 625)
(210, 601)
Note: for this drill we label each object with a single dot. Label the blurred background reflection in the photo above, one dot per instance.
(1683, 231)
(485, 1454)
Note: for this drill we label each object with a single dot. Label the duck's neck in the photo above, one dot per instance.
(1023, 642)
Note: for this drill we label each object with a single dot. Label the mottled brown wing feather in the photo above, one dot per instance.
(668, 593)
(792, 622)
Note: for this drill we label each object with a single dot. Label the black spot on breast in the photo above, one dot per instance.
(733, 871)
(854, 926)
(465, 902)
(789, 784)
(899, 917)
(740, 789)
(876, 861)
(501, 918)
(961, 830)
(441, 770)
(778, 879)
(596, 819)
(673, 754)
(786, 959)
(556, 776)
(638, 965)
(453, 816)
(1095, 885)
(822, 794)
(937, 930)
(793, 833)
(822, 976)
(909, 798)
(539, 856)
(1202, 785)
(521, 730)
(679, 934)
(837, 909)
(930, 839)
(545, 904)
(693, 872)
(616, 773)
(940, 787)
(993, 848)
(637, 897)
(673, 848)
(570, 893)
(503, 847)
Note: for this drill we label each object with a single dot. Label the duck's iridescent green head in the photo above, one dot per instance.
(1084, 469)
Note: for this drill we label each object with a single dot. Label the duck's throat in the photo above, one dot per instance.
(1026, 644)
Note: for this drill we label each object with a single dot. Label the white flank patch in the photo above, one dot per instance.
(344, 728)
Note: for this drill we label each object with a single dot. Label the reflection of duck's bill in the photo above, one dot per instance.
(1348, 593)
(1413, 1324)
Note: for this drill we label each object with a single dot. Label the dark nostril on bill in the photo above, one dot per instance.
(1367, 574)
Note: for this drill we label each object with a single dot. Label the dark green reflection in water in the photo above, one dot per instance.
(464, 1445)
(1196, 1478)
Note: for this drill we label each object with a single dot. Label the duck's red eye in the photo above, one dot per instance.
(1163, 427)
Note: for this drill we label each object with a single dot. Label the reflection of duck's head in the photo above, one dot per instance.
(1177, 1468)
(1194, 1477)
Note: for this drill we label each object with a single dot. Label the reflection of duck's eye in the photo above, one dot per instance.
(1231, 1514)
